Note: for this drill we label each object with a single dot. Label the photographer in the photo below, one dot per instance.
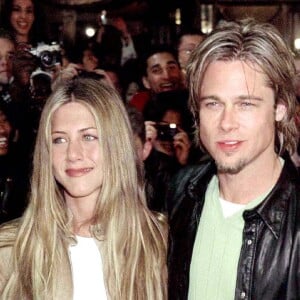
(168, 127)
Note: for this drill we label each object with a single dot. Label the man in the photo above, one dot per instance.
(235, 223)
(7, 49)
(160, 73)
(187, 42)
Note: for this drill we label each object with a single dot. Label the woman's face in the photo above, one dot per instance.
(22, 17)
(77, 157)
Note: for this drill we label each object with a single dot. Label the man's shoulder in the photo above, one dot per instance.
(191, 173)
(191, 182)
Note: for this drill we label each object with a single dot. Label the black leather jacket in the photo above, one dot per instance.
(269, 263)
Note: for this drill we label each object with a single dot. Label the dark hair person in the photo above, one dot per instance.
(24, 19)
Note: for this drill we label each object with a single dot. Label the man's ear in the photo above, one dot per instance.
(280, 112)
(147, 147)
(146, 82)
(15, 136)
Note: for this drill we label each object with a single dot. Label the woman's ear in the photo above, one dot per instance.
(280, 112)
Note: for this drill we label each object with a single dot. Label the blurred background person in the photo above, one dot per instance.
(187, 42)
(23, 19)
(7, 52)
(169, 128)
(14, 178)
(160, 72)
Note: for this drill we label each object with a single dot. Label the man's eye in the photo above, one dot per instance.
(58, 140)
(156, 71)
(246, 104)
(212, 104)
(173, 67)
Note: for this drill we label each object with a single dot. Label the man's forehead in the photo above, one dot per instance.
(164, 57)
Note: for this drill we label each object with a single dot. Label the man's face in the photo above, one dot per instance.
(187, 44)
(7, 50)
(163, 73)
(237, 116)
(5, 134)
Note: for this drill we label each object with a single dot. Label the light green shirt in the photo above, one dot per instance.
(213, 270)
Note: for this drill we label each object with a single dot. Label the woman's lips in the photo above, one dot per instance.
(78, 172)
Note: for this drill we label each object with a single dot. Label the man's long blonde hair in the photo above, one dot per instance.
(256, 43)
(135, 238)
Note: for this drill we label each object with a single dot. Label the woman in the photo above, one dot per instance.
(21, 18)
(87, 186)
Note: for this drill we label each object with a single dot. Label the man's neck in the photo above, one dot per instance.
(249, 183)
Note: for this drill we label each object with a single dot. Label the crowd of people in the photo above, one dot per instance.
(163, 172)
(34, 67)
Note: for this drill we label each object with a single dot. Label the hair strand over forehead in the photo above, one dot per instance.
(258, 44)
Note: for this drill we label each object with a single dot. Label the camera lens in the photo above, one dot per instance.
(47, 58)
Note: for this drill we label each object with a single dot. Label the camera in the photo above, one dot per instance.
(166, 132)
(47, 55)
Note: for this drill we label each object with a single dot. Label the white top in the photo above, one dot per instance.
(87, 270)
(230, 208)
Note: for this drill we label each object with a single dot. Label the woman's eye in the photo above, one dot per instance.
(89, 137)
(58, 140)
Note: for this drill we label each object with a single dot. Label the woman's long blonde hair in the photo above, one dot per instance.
(135, 238)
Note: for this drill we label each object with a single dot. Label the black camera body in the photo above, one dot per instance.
(166, 132)
(47, 55)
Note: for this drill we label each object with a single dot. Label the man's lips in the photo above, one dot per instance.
(78, 172)
(229, 145)
(168, 85)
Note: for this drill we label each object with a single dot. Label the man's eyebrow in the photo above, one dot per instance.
(173, 61)
(250, 97)
(155, 66)
(209, 97)
(241, 97)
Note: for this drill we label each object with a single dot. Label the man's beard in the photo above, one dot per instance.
(231, 169)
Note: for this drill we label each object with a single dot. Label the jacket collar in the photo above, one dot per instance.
(275, 207)
(272, 210)
(199, 182)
